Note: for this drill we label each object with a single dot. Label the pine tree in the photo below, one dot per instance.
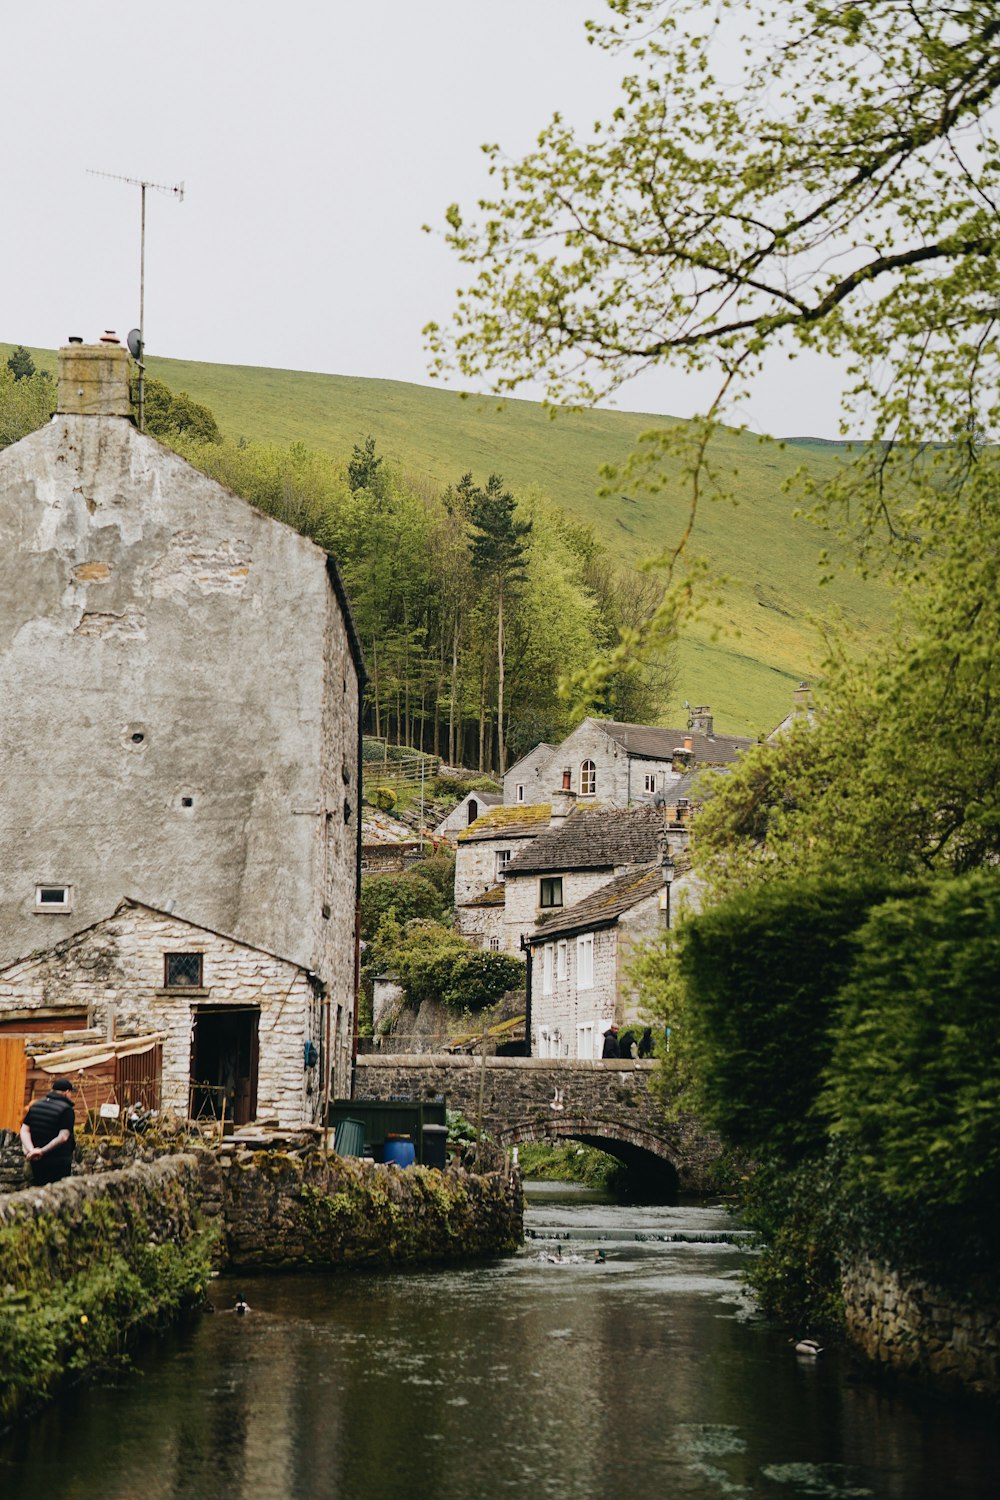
(499, 548)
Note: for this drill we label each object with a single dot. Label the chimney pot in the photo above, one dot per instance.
(688, 743)
(109, 336)
(75, 338)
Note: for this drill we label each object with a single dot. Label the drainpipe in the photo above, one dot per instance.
(526, 948)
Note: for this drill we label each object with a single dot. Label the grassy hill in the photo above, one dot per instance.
(743, 658)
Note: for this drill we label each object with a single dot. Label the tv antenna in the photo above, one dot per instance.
(137, 338)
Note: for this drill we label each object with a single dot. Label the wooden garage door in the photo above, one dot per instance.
(13, 1070)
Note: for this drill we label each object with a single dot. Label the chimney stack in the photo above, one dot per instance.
(563, 803)
(93, 379)
(801, 698)
(702, 720)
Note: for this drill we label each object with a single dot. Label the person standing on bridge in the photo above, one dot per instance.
(47, 1134)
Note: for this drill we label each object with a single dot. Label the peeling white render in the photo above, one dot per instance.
(179, 700)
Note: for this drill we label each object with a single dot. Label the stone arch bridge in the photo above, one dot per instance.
(607, 1104)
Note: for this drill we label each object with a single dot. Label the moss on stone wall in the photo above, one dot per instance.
(88, 1262)
(285, 1211)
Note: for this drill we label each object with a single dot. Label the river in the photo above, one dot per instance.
(548, 1375)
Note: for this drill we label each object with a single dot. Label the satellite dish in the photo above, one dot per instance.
(134, 342)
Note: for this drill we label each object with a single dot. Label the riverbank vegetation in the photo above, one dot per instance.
(566, 1161)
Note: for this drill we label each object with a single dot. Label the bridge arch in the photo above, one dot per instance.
(648, 1158)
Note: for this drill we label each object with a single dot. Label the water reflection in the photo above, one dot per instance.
(645, 1376)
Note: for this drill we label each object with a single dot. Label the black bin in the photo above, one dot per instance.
(435, 1146)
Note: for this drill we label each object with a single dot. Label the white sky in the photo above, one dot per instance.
(314, 140)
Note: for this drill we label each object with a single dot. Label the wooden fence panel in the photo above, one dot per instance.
(13, 1072)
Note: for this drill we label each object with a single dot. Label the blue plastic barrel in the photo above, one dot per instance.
(400, 1150)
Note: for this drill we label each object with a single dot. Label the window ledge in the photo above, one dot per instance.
(183, 989)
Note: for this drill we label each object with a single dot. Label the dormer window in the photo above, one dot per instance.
(588, 779)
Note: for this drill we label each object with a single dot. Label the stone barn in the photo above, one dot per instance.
(227, 1031)
(180, 684)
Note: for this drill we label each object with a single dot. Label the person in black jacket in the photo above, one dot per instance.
(47, 1134)
(611, 1048)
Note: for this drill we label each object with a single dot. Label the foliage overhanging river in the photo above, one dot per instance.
(646, 1376)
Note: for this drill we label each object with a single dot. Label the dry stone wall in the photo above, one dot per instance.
(913, 1327)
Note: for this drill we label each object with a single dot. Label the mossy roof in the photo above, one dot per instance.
(514, 822)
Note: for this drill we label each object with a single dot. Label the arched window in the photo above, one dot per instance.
(588, 779)
(473, 810)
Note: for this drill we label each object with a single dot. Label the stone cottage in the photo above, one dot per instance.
(231, 1030)
(180, 683)
(482, 855)
(611, 764)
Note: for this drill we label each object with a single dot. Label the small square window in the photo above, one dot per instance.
(182, 971)
(550, 891)
(53, 898)
(649, 782)
(494, 945)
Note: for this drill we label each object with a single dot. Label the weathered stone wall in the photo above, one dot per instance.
(117, 967)
(911, 1326)
(607, 1102)
(523, 895)
(285, 1212)
(86, 1261)
(565, 1007)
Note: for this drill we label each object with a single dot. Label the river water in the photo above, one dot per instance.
(548, 1375)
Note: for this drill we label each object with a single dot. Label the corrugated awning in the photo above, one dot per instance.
(92, 1055)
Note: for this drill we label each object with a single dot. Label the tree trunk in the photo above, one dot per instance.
(501, 745)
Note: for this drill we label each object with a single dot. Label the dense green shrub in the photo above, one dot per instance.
(439, 869)
(384, 798)
(434, 963)
(408, 895)
(914, 1080)
(761, 974)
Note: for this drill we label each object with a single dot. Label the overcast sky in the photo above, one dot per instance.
(314, 140)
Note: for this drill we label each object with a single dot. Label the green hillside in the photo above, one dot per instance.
(743, 659)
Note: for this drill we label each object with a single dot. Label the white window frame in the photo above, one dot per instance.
(64, 904)
(562, 959)
(503, 860)
(547, 968)
(519, 791)
(586, 1033)
(494, 945)
(585, 961)
(588, 779)
(649, 782)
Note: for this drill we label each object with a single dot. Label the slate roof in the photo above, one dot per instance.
(519, 821)
(648, 742)
(601, 908)
(593, 838)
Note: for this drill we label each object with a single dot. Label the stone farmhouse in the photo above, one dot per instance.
(180, 683)
(617, 765)
(461, 817)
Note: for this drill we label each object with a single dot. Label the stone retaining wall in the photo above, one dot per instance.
(86, 1262)
(916, 1328)
(287, 1212)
